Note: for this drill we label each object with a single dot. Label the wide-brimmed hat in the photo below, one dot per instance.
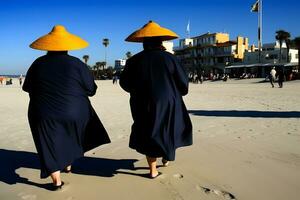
(150, 30)
(59, 39)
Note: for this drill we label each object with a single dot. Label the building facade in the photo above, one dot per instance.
(210, 52)
(270, 56)
(120, 64)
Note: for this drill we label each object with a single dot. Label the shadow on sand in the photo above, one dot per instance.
(246, 113)
(12, 160)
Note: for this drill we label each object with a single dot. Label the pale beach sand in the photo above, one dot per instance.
(246, 145)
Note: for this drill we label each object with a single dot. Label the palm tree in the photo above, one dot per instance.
(94, 69)
(128, 54)
(102, 64)
(105, 42)
(85, 58)
(296, 42)
(288, 44)
(282, 36)
(98, 66)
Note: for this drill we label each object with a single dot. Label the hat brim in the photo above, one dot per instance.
(56, 42)
(149, 31)
(141, 39)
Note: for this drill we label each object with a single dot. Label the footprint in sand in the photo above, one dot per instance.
(248, 162)
(178, 176)
(27, 196)
(224, 194)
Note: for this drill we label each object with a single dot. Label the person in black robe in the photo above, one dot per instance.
(156, 83)
(63, 122)
(280, 76)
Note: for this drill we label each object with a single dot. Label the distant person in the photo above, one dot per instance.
(226, 77)
(156, 83)
(21, 79)
(272, 76)
(1, 80)
(280, 76)
(115, 79)
(201, 77)
(9, 81)
(63, 122)
(196, 78)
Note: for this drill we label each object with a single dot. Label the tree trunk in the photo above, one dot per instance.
(288, 52)
(280, 46)
(97, 74)
(298, 60)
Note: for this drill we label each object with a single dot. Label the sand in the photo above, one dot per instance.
(246, 147)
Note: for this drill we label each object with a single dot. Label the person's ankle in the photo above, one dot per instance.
(57, 183)
(154, 173)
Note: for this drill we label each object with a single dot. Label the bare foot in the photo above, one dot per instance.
(68, 169)
(165, 162)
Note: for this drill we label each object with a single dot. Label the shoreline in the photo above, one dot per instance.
(240, 150)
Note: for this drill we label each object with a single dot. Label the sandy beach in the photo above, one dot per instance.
(246, 147)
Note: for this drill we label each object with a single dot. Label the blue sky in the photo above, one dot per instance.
(23, 21)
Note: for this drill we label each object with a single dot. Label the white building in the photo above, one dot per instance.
(269, 57)
(120, 64)
(271, 54)
(169, 46)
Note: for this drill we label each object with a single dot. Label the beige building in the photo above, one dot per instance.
(169, 46)
(210, 52)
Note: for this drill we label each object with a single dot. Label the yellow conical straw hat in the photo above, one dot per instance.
(151, 29)
(59, 39)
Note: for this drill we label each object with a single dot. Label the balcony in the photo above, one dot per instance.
(179, 48)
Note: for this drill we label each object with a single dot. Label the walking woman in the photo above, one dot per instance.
(156, 83)
(63, 123)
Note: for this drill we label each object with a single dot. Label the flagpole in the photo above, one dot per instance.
(261, 24)
(259, 30)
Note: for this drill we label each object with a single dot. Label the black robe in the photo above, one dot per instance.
(63, 123)
(156, 83)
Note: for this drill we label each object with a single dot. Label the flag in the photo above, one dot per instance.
(255, 6)
(188, 27)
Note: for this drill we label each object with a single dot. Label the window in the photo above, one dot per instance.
(273, 56)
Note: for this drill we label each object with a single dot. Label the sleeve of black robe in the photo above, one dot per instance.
(180, 78)
(27, 85)
(126, 81)
(96, 134)
(88, 81)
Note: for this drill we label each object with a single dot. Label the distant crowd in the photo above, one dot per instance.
(8, 80)
(199, 77)
(195, 77)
